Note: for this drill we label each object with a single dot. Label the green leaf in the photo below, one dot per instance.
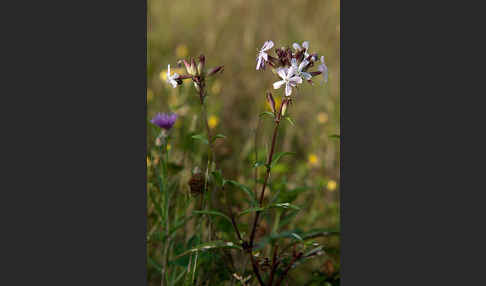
(290, 120)
(218, 136)
(201, 138)
(297, 236)
(285, 206)
(213, 213)
(244, 188)
(259, 164)
(289, 196)
(335, 136)
(314, 251)
(268, 113)
(175, 168)
(280, 155)
(208, 246)
(287, 219)
(319, 232)
(179, 277)
(181, 222)
(155, 264)
(218, 178)
(158, 209)
(251, 210)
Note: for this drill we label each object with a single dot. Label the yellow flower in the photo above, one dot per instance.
(181, 51)
(331, 185)
(148, 162)
(313, 160)
(216, 87)
(163, 75)
(169, 147)
(150, 95)
(213, 121)
(322, 117)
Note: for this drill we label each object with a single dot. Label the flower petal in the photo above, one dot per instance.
(264, 56)
(303, 64)
(267, 45)
(293, 62)
(291, 71)
(259, 61)
(288, 90)
(296, 46)
(278, 84)
(306, 75)
(295, 80)
(305, 44)
(282, 72)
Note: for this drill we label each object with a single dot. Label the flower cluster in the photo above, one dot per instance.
(195, 71)
(291, 65)
(164, 120)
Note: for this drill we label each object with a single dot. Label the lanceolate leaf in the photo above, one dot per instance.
(335, 136)
(155, 264)
(208, 246)
(297, 236)
(280, 155)
(213, 213)
(218, 177)
(201, 138)
(244, 188)
(258, 164)
(290, 120)
(218, 136)
(268, 113)
(285, 206)
(251, 210)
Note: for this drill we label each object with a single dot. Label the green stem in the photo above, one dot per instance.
(267, 175)
(165, 177)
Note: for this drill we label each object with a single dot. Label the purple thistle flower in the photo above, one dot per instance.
(164, 120)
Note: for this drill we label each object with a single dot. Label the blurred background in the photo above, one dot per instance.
(229, 33)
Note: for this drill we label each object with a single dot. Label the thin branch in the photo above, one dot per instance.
(280, 279)
(255, 269)
(274, 265)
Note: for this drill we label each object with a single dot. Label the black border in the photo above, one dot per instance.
(74, 176)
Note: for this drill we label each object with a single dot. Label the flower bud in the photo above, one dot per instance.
(271, 101)
(193, 67)
(200, 65)
(284, 107)
(188, 66)
(215, 70)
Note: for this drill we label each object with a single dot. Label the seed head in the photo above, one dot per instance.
(196, 183)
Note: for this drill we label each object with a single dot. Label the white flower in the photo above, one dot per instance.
(171, 79)
(305, 47)
(299, 68)
(288, 78)
(323, 68)
(262, 56)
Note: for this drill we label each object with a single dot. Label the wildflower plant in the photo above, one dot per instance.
(248, 251)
